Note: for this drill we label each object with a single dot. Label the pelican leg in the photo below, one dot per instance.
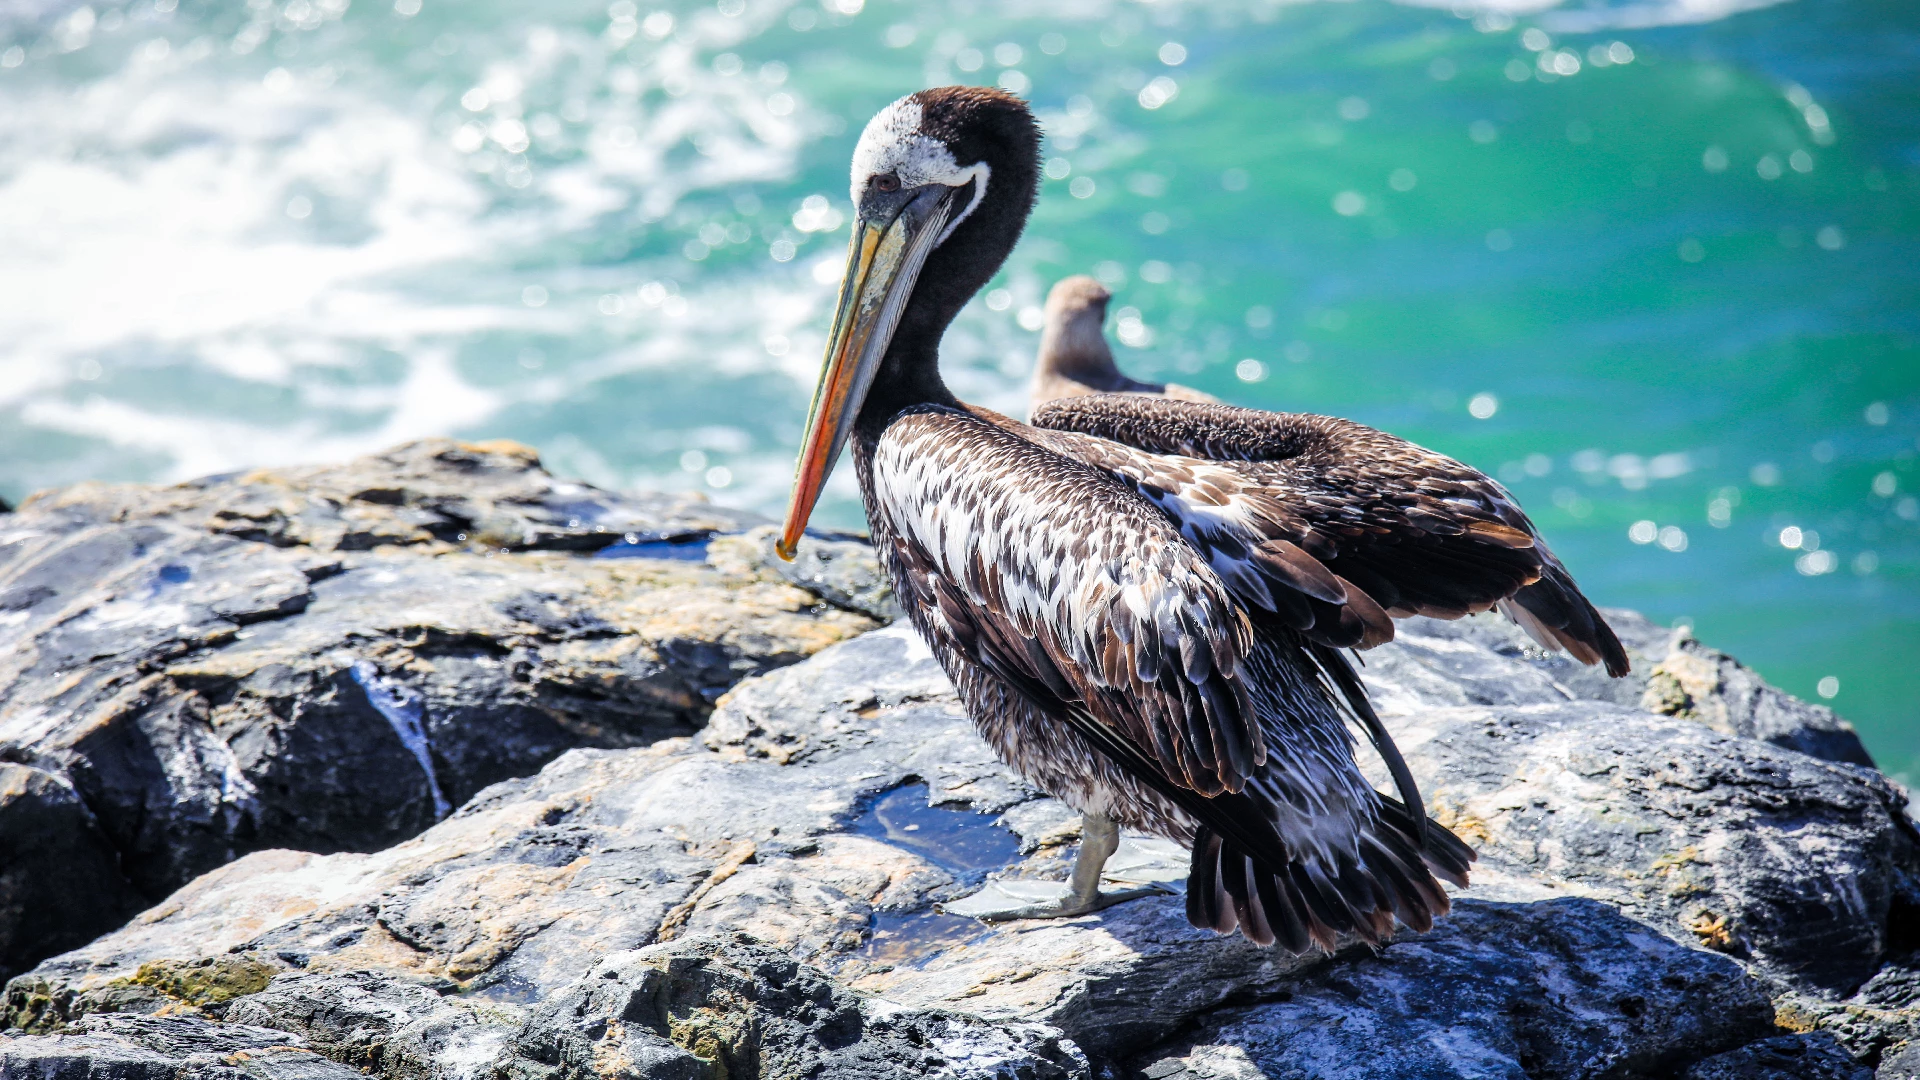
(1081, 896)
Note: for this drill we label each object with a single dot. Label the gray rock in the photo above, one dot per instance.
(1704, 684)
(388, 1025)
(838, 568)
(1900, 1063)
(829, 807)
(1798, 865)
(726, 1005)
(690, 1009)
(1555, 989)
(43, 822)
(1785, 1057)
(123, 1047)
(1673, 675)
(523, 857)
(330, 659)
(1879, 1023)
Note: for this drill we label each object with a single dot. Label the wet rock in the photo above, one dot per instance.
(1559, 988)
(754, 830)
(331, 659)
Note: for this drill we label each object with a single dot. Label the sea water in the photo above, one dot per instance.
(1652, 263)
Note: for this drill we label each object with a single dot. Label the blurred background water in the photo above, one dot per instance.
(1654, 263)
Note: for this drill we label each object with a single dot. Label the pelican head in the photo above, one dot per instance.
(1074, 357)
(943, 181)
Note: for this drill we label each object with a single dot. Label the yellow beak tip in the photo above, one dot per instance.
(785, 550)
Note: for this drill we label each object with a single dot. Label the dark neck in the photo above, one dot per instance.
(909, 375)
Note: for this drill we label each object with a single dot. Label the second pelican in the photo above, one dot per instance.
(1075, 359)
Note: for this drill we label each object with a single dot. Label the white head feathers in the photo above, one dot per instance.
(893, 143)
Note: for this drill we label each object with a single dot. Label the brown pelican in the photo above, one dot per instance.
(1141, 601)
(1075, 359)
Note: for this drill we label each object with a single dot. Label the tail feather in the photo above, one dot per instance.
(1305, 902)
(1284, 918)
(1556, 614)
(1207, 904)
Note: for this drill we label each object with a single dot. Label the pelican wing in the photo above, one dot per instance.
(1066, 583)
(1332, 525)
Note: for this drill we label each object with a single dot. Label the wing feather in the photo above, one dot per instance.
(1270, 497)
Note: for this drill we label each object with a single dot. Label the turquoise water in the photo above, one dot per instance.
(1652, 263)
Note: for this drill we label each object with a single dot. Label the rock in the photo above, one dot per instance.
(1709, 686)
(330, 659)
(464, 802)
(1900, 1063)
(1557, 988)
(388, 1025)
(1565, 789)
(837, 568)
(1879, 1023)
(1673, 675)
(1800, 866)
(129, 1047)
(490, 494)
(829, 807)
(43, 823)
(752, 1010)
(693, 1008)
(1786, 1057)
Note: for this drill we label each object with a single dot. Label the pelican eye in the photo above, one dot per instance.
(886, 182)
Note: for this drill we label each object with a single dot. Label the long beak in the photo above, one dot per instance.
(883, 263)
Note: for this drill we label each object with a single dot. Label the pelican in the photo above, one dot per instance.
(1143, 602)
(1076, 361)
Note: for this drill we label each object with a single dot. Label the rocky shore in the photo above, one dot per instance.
(430, 765)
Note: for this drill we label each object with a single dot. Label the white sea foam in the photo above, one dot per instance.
(323, 255)
(268, 241)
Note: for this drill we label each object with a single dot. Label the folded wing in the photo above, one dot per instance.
(1331, 525)
(1103, 608)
